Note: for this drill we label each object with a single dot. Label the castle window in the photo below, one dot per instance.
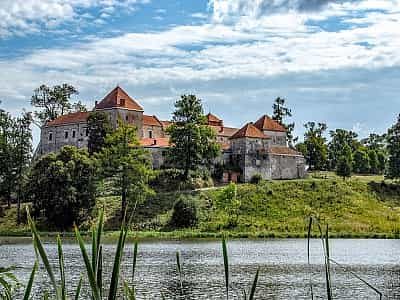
(122, 102)
(150, 132)
(87, 132)
(126, 118)
(66, 135)
(73, 134)
(50, 136)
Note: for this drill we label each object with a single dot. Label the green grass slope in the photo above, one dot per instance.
(356, 207)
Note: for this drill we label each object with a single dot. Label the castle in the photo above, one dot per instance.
(256, 148)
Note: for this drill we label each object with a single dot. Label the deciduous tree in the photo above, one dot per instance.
(193, 143)
(317, 152)
(345, 162)
(98, 127)
(62, 186)
(280, 113)
(393, 148)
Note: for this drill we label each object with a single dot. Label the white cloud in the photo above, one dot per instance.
(21, 17)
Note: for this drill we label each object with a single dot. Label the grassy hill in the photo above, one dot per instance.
(357, 207)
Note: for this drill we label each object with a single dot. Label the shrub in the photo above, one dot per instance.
(255, 179)
(167, 180)
(184, 213)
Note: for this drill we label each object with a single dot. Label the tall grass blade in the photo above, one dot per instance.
(129, 292)
(117, 264)
(358, 277)
(226, 266)
(62, 267)
(89, 269)
(179, 269)
(254, 286)
(135, 254)
(308, 257)
(99, 275)
(327, 266)
(42, 253)
(28, 288)
(78, 289)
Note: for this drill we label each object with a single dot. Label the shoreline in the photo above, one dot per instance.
(112, 236)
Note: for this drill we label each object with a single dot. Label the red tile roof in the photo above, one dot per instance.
(155, 142)
(224, 131)
(166, 124)
(266, 123)
(77, 117)
(113, 99)
(151, 121)
(249, 130)
(282, 150)
(212, 118)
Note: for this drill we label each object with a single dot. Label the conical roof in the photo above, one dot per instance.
(250, 131)
(266, 123)
(118, 98)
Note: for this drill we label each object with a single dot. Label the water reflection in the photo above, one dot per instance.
(284, 270)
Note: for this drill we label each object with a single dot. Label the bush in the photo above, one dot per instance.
(184, 213)
(255, 179)
(167, 180)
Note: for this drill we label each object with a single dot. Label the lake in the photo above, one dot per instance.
(283, 265)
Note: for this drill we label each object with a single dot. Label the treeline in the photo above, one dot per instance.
(345, 153)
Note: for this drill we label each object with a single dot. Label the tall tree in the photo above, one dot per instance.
(99, 126)
(52, 101)
(22, 156)
(375, 142)
(317, 152)
(373, 162)
(393, 148)
(15, 154)
(122, 158)
(280, 113)
(62, 186)
(340, 138)
(193, 143)
(361, 162)
(345, 162)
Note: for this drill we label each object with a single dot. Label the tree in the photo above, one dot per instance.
(62, 186)
(280, 113)
(393, 148)
(15, 155)
(340, 138)
(79, 107)
(373, 162)
(193, 142)
(344, 164)
(361, 161)
(98, 127)
(317, 153)
(375, 142)
(381, 161)
(53, 101)
(184, 213)
(123, 159)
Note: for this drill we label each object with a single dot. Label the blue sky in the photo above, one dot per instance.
(335, 61)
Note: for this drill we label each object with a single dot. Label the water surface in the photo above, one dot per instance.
(283, 265)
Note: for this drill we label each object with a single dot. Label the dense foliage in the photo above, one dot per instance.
(54, 102)
(122, 159)
(184, 213)
(193, 143)
(280, 113)
(98, 126)
(316, 153)
(393, 148)
(62, 187)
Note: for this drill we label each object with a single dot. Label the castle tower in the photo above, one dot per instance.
(120, 106)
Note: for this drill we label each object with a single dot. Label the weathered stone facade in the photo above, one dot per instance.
(255, 149)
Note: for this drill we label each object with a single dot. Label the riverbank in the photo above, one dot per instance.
(360, 207)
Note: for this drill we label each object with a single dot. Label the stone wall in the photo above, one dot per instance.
(157, 156)
(287, 166)
(131, 116)
(52, 138)
(157, 131)
(277, 138)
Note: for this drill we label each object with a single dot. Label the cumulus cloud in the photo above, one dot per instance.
(21, 17)
(225, 10)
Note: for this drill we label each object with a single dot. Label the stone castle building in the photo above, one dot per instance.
(256, 148)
